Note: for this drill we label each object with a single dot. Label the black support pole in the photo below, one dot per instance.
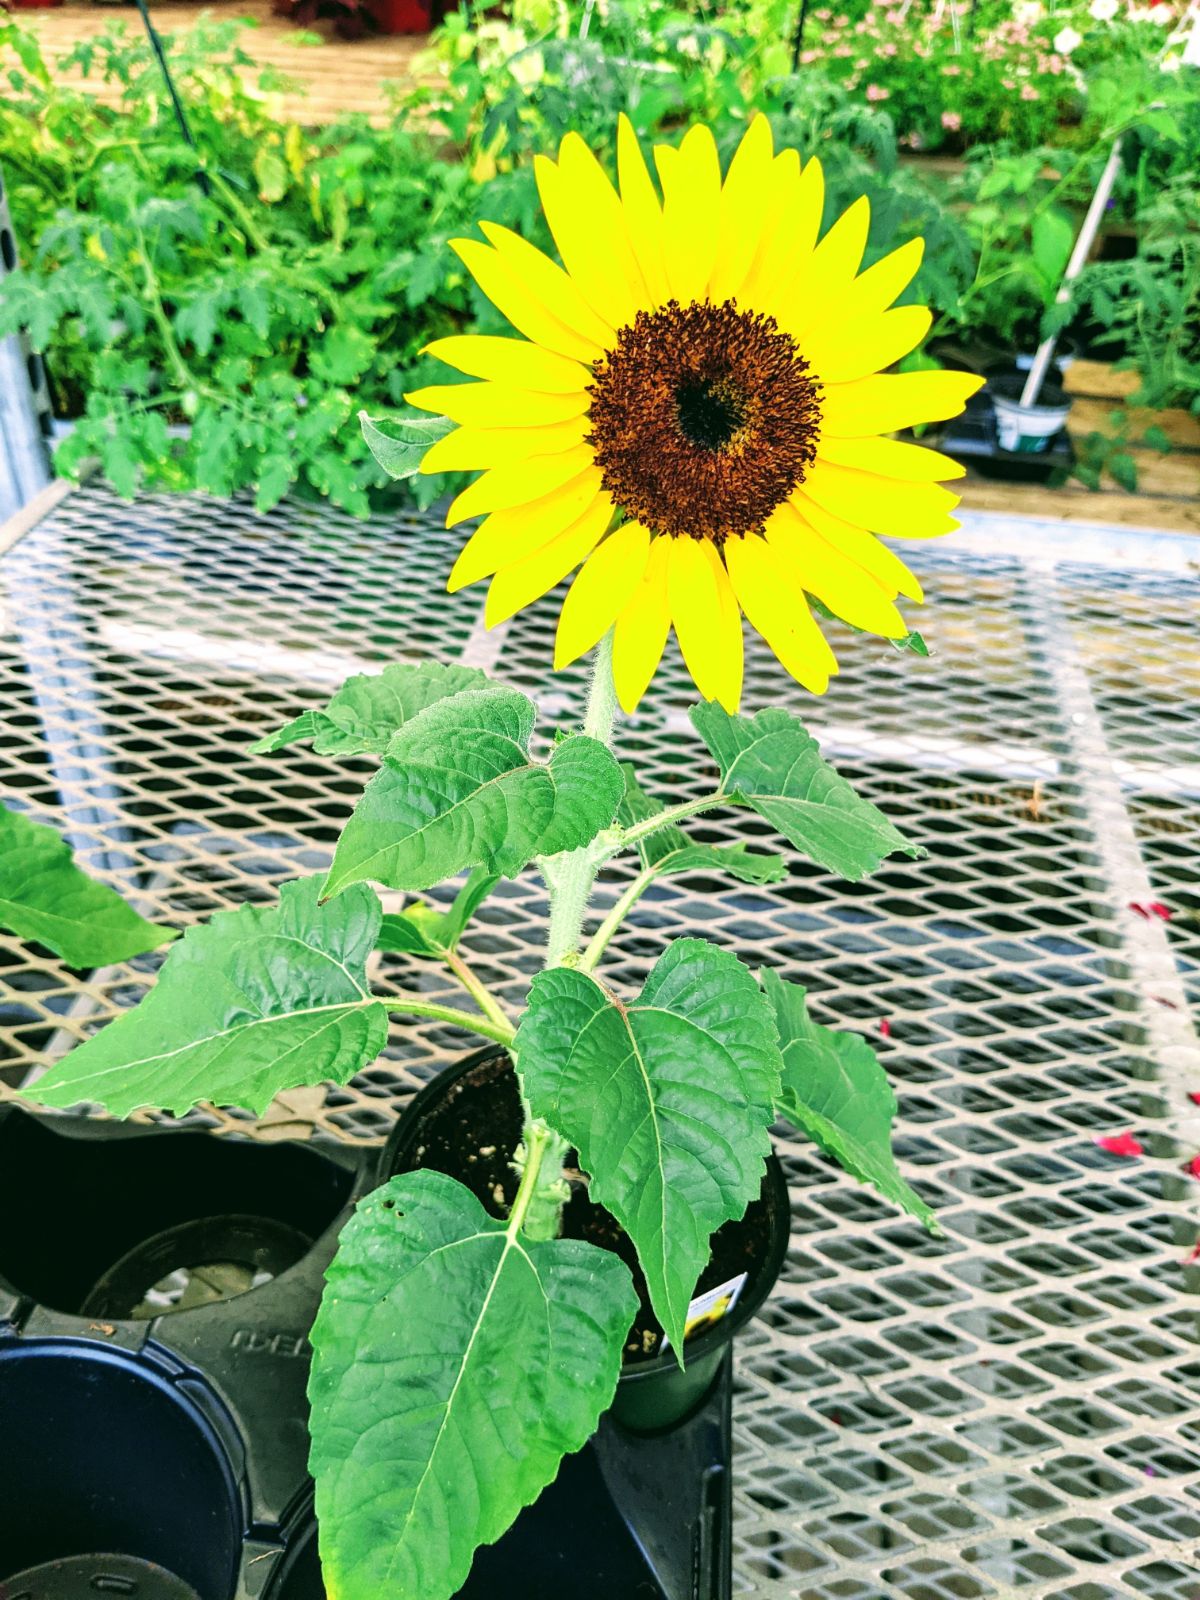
(177, 104)
(798, 41)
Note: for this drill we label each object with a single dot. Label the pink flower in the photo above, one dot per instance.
(951, 71)
(874, 92)
(1028, 92)
(1008, 83)
(823, 15)
(1120, 1144)
(861, 66)
(842, 50)
(807, 57)
(888, 49)
(951, 120)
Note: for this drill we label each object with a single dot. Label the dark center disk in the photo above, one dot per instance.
(704, 419)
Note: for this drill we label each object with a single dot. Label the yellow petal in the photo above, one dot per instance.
(641, 630)
(643, 212)
(602, 590)
(843, 350)
(515, 485)
(894, 400)
(825, 278)
(549, 282)
(491, 405)
(691, 213)
(469, 449)
(510, 361)
(779, 200)
(521, 583)
(775, 610)
(701, 623)
(744, 197)
(526, 304)
(890, 458)
(884, 505)
(509, 536)
(837, 581)
(875, 289)
(785, 258)
(729, 647)
(588, 225)
(863, 548)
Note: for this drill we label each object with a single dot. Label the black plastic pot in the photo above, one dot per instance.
(656, 1392)
(974, 440)
(156, 1291)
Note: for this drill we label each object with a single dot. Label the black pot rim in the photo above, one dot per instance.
(712, 1339)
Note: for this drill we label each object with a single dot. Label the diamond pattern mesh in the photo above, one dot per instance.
(1011, 1408)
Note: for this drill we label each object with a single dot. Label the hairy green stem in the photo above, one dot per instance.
(569, 878)
(501, 1032)
(690, 808)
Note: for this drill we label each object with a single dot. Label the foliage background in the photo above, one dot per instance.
(214, 319)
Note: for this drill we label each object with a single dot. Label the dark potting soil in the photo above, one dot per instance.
(470, 1135)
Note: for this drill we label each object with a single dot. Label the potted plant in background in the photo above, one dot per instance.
(693, 419)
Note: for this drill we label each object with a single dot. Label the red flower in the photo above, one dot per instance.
(1120, 1144)
(885, 1027)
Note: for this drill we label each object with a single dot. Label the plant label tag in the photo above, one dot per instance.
(1191, 50)
(707, 1309)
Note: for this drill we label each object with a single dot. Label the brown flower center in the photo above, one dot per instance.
(704, 419)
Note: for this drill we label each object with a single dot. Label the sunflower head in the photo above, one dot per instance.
(694, 418)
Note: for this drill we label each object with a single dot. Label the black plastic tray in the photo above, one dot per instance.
(161, 1454)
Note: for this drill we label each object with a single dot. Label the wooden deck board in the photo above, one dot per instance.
(332, 78)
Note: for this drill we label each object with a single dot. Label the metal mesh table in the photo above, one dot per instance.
(1010, 1409)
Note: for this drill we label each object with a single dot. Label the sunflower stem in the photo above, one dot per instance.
(570, 878)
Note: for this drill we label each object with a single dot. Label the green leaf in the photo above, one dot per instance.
(458, 788)
(44, 896)
(256, 1000)
(369, 708)
(421, 930)
(912, 642)
(669, 850)
(1053, 241)
(835, 1089)
(668, 1101)
(772, 763)
(454, 1365)
(399, 443)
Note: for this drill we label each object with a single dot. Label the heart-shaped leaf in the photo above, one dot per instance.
(45, 897)
(459, 788)
(368, 709)
(772, 763)
(257, 1000)
(835, 1089)
(455, 1363)
(668, 1101)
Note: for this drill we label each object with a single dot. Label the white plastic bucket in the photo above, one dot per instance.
(1027, 430)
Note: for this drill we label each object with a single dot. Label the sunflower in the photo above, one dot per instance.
(696, 415)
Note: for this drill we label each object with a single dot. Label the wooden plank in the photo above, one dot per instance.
(332, 78)
(1073, 503)
(1089, 415)
(1099, 378)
